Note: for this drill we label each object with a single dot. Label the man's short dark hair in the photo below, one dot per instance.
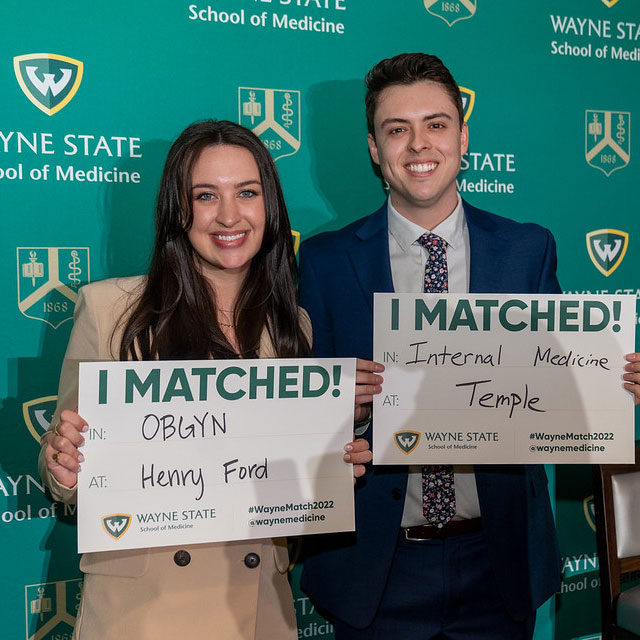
(407, 68)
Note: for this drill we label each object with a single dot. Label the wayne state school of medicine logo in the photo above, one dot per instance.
(37, 414)
(452, 10)
(589, 511)
(406, 441)
(607, 139)
(607, 248)
(116, 524)
(50, 81)
(610, 3)
(468, 102)
(51, 608)
(48, 281)
(274, 116)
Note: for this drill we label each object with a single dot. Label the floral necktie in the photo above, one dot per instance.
(438, 489)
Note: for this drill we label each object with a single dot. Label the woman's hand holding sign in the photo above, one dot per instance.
(62, 454)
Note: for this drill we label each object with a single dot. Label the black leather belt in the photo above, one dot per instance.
(452, 528)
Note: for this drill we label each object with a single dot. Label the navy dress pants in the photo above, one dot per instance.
(441, 590)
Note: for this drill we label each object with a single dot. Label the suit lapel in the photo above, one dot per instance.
(369, 255)
(485, 244)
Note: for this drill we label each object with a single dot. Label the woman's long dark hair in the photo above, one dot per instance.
(175, 316)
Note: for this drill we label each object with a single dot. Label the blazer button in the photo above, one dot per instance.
(182, 558)
(251, 560)
(396, 494)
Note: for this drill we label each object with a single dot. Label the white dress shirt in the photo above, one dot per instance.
(408, 261)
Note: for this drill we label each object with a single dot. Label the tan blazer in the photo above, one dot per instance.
(146, 593)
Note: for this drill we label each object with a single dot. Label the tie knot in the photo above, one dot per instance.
(431, 240)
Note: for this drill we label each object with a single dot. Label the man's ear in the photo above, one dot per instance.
(373, 148)
(464, 139)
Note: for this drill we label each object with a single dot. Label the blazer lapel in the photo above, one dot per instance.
(369, 255)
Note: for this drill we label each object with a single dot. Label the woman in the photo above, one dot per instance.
(220, 285)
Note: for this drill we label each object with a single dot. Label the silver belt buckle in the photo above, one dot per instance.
(405, 531)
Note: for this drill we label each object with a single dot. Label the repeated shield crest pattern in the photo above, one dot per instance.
(48, 281)
(37, 414)
(51, 609)
(607, 139)
(468, 102)
(607, 248)
(49, 80)
(295, 236)
(589, 511)
(274, 116)
(451, 11)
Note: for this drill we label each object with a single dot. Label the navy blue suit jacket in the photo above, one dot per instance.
(345, 574)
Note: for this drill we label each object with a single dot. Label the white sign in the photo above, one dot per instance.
(503, 379)
(203, 451)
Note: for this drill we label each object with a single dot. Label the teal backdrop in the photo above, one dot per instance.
(94, 93)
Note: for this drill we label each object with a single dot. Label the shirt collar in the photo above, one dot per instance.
(406, 232)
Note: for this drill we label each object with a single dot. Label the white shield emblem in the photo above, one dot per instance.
(607, 136)
(51, 609)
(274, 116)
(49, 80)
(48, 281)
(451, 11)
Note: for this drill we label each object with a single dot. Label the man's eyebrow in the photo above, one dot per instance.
(429, 116)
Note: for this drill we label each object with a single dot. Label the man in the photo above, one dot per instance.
(482, 574)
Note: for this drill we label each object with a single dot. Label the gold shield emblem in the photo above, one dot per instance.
(38, 413)
(295, 236)
(589, 511)
(468, 101)
(607, 248)
(49, 80)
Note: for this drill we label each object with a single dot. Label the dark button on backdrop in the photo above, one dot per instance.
(252, 560)
(182, 558)
(396, 494)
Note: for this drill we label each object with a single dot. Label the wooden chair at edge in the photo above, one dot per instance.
(618, 493)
